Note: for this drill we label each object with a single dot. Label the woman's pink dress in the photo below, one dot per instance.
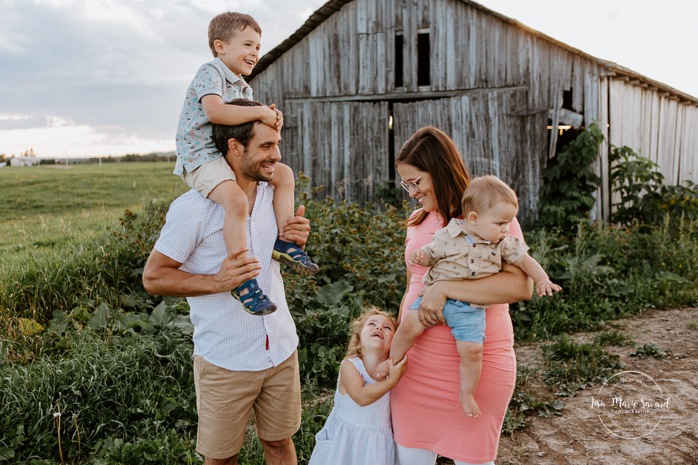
(426, 411)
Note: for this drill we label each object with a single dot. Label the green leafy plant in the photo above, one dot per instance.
(649, 350)
(636, 183)
(117, 394)
(641, 194)
(106, 270)
(570, 181)
(612, 338)
(609, 272)
(571, 366)
(680, 200)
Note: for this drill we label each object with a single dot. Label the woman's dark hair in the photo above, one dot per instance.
(431, 150)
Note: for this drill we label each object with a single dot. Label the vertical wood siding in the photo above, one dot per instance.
(493, 87)
(657, 126)
(350, 158)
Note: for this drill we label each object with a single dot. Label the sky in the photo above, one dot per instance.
(86, 78)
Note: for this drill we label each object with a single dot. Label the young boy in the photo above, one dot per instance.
(234, 39)
(471, 248)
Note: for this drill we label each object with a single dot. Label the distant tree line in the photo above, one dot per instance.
(131, 157)
(156, 156)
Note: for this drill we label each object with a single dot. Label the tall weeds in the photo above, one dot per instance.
(609, 272)
(102, 270)
(119, 387)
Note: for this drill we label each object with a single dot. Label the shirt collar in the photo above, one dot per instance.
(455, 229)
(230, 76)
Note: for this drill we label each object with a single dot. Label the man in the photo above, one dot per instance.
(242, 363)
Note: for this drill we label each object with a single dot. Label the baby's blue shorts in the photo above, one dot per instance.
(467, 323)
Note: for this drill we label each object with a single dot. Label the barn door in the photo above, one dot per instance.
(341, 146)
(472, 121)
(492, 129)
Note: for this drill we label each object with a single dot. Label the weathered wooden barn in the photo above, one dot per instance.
(360, 76)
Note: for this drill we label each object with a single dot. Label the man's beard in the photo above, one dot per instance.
(255, 172)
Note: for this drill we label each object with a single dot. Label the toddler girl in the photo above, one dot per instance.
(358, 430)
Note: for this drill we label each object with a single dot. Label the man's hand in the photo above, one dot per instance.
(162, 275)
(297, 229)
(237, 268)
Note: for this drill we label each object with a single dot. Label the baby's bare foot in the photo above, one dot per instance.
(469, 405)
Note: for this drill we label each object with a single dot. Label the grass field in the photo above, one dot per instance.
(46, 206)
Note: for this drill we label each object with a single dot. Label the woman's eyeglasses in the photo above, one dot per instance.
(411, 186)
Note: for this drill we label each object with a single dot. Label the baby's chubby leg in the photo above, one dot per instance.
(410, 328)
(470, 369)
(467, 324)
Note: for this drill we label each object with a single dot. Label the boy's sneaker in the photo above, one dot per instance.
(292, 255)
(253, 299)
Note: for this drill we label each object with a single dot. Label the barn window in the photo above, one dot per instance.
(399, 60)
(423, 58)
(567, 99)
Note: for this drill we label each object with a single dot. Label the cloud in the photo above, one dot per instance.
(78, 141)
(20, 121)
(99, 63)
(115, 66)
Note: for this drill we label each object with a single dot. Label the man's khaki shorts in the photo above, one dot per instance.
(224, 400)
(207, 176)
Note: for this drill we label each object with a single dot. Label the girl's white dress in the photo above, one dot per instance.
(355, 435)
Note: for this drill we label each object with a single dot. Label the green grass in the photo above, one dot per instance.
(58, 231)
(649, 350)
(47, 190)
(612, 338)
(571, 366)
(51, 206)
(86, 385)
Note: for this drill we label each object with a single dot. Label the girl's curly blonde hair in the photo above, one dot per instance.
(354, 349)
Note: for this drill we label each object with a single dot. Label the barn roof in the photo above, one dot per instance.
(332, 6)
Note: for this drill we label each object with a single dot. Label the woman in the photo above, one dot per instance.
(428, 417)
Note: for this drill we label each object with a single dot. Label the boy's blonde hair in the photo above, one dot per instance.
(224, 26)
(354, 349)
(486, 191)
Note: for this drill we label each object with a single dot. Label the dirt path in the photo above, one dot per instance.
(589, 431)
